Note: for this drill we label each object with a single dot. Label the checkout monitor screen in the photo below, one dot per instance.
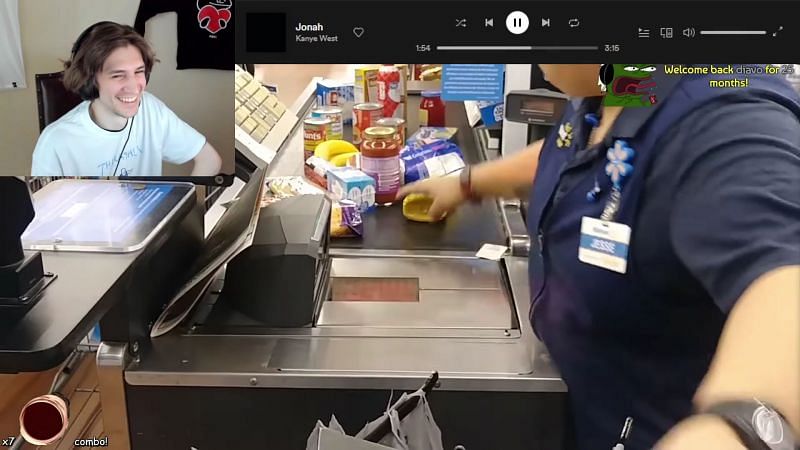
(101, 216)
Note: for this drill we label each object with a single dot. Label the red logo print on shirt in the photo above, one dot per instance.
(213, 15)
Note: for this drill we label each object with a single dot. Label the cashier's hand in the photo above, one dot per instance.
(445, 191)
(700, 433)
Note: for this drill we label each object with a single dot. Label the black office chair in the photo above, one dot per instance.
(52, 98)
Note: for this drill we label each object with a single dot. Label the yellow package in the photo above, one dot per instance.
(345, 220)
(416, 206)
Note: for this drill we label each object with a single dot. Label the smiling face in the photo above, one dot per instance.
(120, 84)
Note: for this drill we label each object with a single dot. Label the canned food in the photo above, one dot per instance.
(315, 132)
(396, 123)
(334, 113)
(365, 115)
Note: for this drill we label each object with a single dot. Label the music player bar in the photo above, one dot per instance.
(514, 32)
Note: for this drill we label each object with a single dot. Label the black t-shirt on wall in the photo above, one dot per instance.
(205, 31)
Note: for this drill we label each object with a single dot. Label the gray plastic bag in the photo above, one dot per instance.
(313, 440)
(333, 437)
(417, 431)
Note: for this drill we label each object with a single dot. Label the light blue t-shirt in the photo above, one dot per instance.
(74, 145)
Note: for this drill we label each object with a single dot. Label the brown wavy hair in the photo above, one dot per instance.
(91, 50)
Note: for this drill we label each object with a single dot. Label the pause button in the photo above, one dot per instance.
(517, 22)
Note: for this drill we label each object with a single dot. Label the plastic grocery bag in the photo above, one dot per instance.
(313, 439)
(416, 431)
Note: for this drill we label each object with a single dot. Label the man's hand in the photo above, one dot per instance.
(704, 432)
(207, 162)
(445, 191)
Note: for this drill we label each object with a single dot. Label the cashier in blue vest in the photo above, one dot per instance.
(665, 257)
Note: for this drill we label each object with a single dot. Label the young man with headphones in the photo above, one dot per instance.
(119, 129)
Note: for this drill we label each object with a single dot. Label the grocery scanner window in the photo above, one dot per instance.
(363, 289)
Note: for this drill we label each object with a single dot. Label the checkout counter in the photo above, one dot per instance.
(250, 354)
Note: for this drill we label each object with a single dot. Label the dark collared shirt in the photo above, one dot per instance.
(713, 203)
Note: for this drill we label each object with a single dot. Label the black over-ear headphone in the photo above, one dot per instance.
(89, 90)
(606, 74)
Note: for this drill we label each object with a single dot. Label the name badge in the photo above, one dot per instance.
(604, 244)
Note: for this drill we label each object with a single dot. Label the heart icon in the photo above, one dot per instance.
(358, 31)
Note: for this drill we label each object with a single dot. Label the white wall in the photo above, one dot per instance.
(203, 98)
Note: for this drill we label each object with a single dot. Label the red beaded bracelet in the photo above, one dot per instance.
(465, 180)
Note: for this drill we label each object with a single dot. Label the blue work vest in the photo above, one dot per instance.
(622, 349)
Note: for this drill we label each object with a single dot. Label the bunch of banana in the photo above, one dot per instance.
(337, 151)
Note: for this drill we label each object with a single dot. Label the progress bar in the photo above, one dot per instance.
(516, 47)
(746, 32)
(484, 47)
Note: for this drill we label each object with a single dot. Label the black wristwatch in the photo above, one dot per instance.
(758, 425)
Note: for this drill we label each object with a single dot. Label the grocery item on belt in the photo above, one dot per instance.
(346, 220)
(279, 188)
(345, 159)
(365, 115)
(391, 91)
(416, 206)
(432, 109)
(426, 135)
(380, 159)
(328, 149)
(320, 165)
(431, 73)
(354, 185)
(334, 113)
(315, 132)
(312, 175)
(365, 89)
(437, 159)
(336, 93)
(396, 123)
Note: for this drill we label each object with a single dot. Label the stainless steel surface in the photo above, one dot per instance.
(428, 254)
(514, 139)
(364, 331)
(459, 293)
(511, 215)
(112, 358)
(463, 273)
(366, 358)
(435, 309)
(518, 239)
